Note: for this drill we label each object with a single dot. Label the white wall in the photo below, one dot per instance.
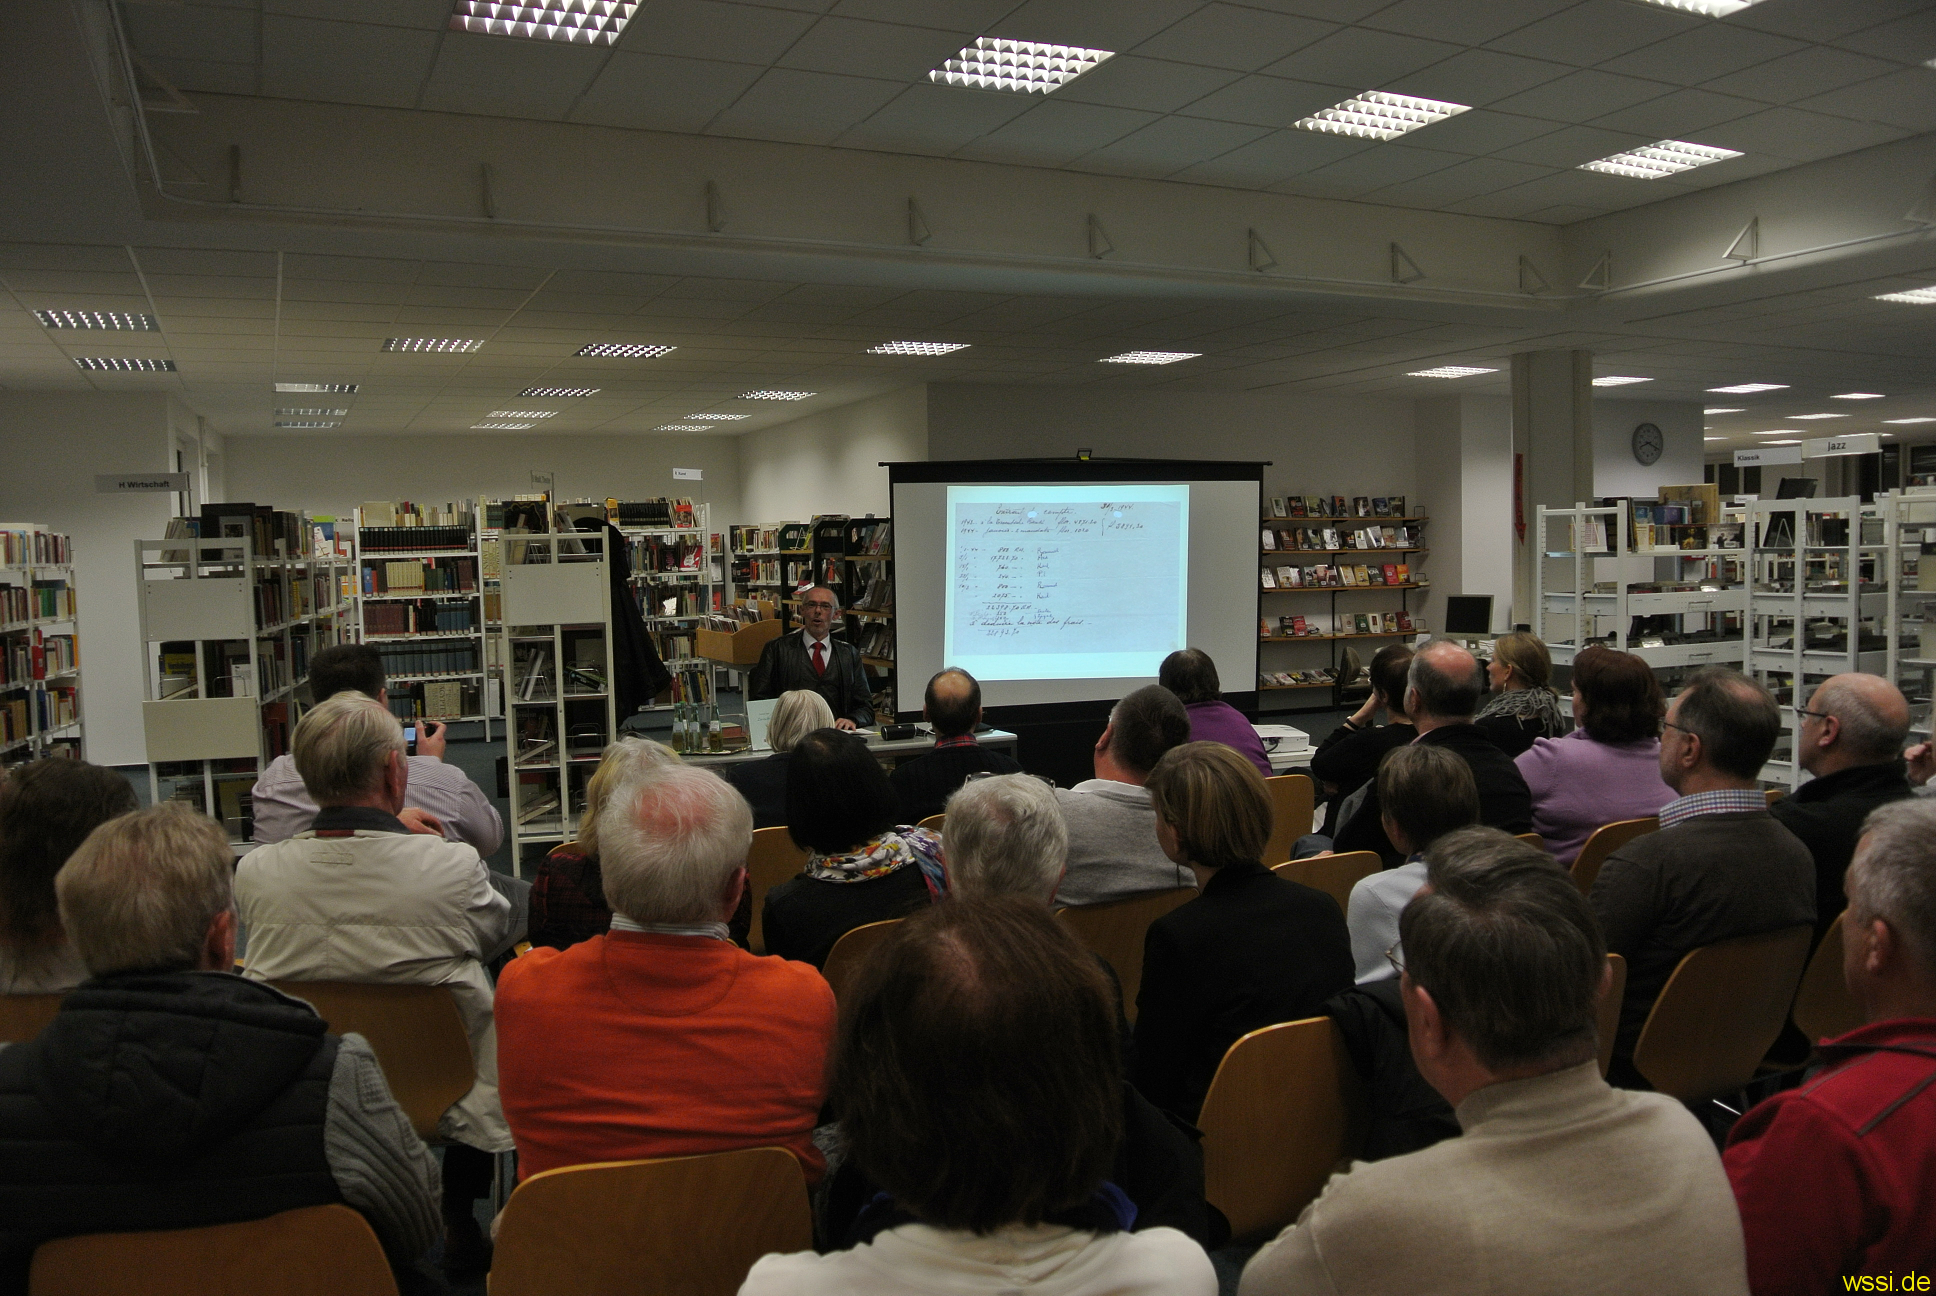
(1464, 450)
(829, 462)
(1616, 472)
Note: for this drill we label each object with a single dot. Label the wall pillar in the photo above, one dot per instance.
(1552, 443)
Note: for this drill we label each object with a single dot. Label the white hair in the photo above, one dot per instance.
(799, 713)
(342, 745)
(669, 838)
(1005, 836)
(1893, 875)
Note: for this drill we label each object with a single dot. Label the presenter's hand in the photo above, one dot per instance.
(845, 723)
(1922, 763)
(430, 738)
(421, 822)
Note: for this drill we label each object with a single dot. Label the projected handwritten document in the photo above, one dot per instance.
(1066, 582)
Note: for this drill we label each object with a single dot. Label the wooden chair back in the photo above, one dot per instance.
(933, 822)
(1775, 794)
(1293, 802)
(314, 1251)
(1720, 1013)
(24, 1016)
(1115, 931)
(773, 859)
(851, 950)
(1534, 840)
(1285, 1110)
(1334, 875)
(1607, 839)
(415, 1031)
(1824, 1008)
(1607, 1016)
(683, 1226)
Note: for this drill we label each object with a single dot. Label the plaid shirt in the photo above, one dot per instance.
(959, 740)
(1719, 801)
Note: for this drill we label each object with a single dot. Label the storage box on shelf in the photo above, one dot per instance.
(1323, 547)
(419, 602)
(40, 668)
(1911, 602)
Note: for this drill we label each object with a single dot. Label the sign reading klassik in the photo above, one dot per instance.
(139, 483)
(1855, 444)
(1767, 455)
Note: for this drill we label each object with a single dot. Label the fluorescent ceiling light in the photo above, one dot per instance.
(1150, 357)
(311, 413)
(502, 427)
(1665, 158)
(334, 389)
(1749, 389)
(1706, 8)
(1713, 438)
(917, 348)
(1023, 66)
(1803, 417)
(1857, 396)
(86, 319)
(123, 363)
(1618, 382)
(681, 427)
(523, 414)
(1781, 443)
(578, 22)
(1780, 432)
(1913, 420)
(559, 391)
(307, 423)
(764, 394)
(629, 350)
(1449, 371)
(719, 418)
(1378, 115)
(432, 344)
(1914, 296)
(1723, 411)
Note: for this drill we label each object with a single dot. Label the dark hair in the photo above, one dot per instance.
(1148, 723)
(1191, 675)
(358, 667)
(1388, 671)
(1215, 800)
(953, 714)
(1620, 697)
(1508, 949)
(837, 795)
(1427, 791)
(47, 809)
(1439, 694)
(1735, 718)
(977, 1071)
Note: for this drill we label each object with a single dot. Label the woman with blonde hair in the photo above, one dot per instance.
(763, 782)
(568, 892)
(1522, 707)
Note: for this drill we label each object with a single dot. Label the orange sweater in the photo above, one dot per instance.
(629, 1046)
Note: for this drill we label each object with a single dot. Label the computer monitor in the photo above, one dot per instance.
(1468, 614)
(1797, 488)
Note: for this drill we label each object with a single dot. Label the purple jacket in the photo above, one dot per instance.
(1222, 723)
(1579, 784)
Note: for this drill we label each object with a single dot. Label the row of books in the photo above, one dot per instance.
(272, 533)
(438, 659)
(425, 616)
(757, 571)
(878, 596)
(1342, 575)
(752, 539)
(409, 576)
(23, 547)
(650, 554)
(673, 600)
(870, 537)
(876, 639)
(676, 514)
(58, 706)
(399, 539)
(461, 514)
(1335, 506)
(692, 687)
(1295, 679)
(1338, 538)
(13, 720)
(674, 645)
(436, 700)
(1364, 623)
(43, 599)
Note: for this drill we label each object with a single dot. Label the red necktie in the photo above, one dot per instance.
(819, 659)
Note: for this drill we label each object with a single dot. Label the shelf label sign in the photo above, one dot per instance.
(1767, 455)
(544, 481)
(1859, 443)
(142, 483)
(688, 474)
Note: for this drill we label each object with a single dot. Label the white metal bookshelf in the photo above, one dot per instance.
(421, 605)
(40, 668)
(1911, 602)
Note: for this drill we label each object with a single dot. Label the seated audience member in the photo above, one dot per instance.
(1005, 836)
(568, 902)
(170, 1093)
(953, 708)
(1192, 676)
(1428, 792)
(763, 782)
(1522, 707)
(1559, 1183)
(1835, 1178)
(1442, 690)
(1850, 738)
(662, 1038)
(1348, 757)
(1608, 768)
(47, 809)
(360, 897)
(862, 865)
(439, 796)
(1113, 853)
(976, 1078)
(1252, 950)
(1720, 866)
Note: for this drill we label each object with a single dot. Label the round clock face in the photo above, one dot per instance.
(1648, 443)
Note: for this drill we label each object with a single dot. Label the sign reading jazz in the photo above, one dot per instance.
(1860, 443)
(139, 483)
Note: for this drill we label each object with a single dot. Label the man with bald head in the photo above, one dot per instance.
(1849, 735)
(953, 708)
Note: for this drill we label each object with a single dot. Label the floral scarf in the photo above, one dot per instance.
(1541, 706)
(893, 850)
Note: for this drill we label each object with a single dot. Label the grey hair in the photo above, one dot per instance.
(1735, 717)
(1867, 731)
(669, 838)
(1893, 875)
(1441, 695)
(342, 745)
(1005, 836)
(141, 892)
(799, 713)
(618, 764)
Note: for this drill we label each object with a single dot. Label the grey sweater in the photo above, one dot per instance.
(1112, 845)
(380, 1165)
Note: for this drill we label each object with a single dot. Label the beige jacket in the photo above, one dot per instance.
(391, 907)
(1560, 1184)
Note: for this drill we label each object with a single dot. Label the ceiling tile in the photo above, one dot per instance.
(192, 32)
(928, 118)
(1224, 35)
(656, 92)
(303, 58)
(961, 15)
(1909, 39)
(1596, 31)
(1168, 145)
(1801, 74)
(1572, 145)
(710, 28)
(502, 77)
(1461, 20)
(1362, 59)
(1057, 133)
(197, 74)
(430, 15)
(1337, 11)
(1681, 115)
(854, 47)
(1373, 169)
(1478, 132)
(1563, 214)
(1906, 99)
(1820, 22)
(1582, 96)
(1712, 49)
(1274, 158)
(1267, 101)
(803, 107)
(1470, 177)
(1801, 136)
(1119, 25)
(1127, 81)
(1477, 77)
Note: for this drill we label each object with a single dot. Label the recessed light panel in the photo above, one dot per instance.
(559, 391)
(307, 423)
(123, 363)
(1449, 371)
(1780, 432)
(1913, 420)
(681, 427)
(1791, 442)
(577, 22)
(1857, 396)
(1616, 381)
(1151, 357)
(311, 413)
(1805, 417)
(719, 418)
(1914, 296)
(1665, 158)
(1706, 8)
(1748, 389)
(432, 344)
(502, 427)
(1381, 116)
(86, 319)
(917, 348)
(1724, 411)
(627, 350)
(1713, 438)
(522, 414)
(764, 394)
(1022, 66)
(333, 389)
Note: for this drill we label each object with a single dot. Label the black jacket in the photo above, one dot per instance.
(1348, 759)
(763, 783)
(638, 675)
(925, 783)
(1827, 814)
(1405, 1114)
(784, 665)
(161, 1101)
(1504, 801)
(1251, 951)
(803, 918)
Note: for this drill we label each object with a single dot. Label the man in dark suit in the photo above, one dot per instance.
(815, 660)
(953, 707)
(1441, 693)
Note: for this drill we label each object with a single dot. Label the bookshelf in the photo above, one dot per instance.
(1911, 602)
(419, 602)
(40, 667)
(677, 569)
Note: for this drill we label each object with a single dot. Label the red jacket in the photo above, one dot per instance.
(1838, 1177)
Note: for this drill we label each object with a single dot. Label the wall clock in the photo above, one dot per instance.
(1648, 444)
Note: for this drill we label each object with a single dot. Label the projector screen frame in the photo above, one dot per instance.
(1077, 471)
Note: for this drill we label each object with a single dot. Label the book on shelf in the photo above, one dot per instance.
(1264, 627)
(1286, 577)
(1381, 506)
(1404, 573)
(536, 805)
(1268, 538)
(1294, 507)
(1360, 623)
(1391, 574)
(1277, 507)
(531, 678)
(1265, 579)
